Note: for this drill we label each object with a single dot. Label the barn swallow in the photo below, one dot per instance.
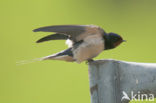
(84, 41)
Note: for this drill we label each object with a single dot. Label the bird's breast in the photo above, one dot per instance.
(90, 48)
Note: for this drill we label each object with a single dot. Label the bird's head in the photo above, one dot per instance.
(112, 40)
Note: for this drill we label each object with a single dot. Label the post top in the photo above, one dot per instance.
(103, 61)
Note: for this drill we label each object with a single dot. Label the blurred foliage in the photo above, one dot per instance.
(58, 81)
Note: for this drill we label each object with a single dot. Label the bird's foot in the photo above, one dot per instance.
(89, 60)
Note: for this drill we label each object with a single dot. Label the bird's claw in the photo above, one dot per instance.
(89, 60)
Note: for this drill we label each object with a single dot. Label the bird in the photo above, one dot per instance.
(84, 41)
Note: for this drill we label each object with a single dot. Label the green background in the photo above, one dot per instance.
(58, 81)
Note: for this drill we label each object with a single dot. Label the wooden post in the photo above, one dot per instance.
(114, 81)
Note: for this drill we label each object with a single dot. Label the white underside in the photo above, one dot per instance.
(69, 43)
(90, 48)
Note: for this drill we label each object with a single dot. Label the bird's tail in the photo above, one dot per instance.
(22, 62)
(65, 55)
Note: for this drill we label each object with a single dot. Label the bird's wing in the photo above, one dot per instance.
(53, 37)
(74, 32)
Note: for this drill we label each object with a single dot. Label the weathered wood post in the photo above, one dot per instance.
(114, 81)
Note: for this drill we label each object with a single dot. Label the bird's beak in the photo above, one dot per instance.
(124, 41)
